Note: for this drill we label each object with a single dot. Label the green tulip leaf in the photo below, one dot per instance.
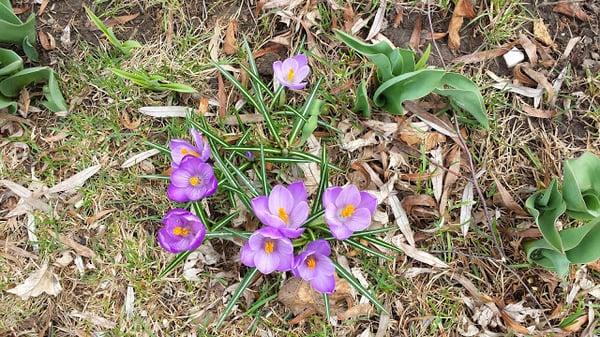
(581, 186)
(10, 62)
(546, 206)
(464, 93)
(362, 101)
(8, 103)
(15, 31)
(11, 86)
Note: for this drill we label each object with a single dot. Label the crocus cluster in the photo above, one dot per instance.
(192, 178)
(284, 212)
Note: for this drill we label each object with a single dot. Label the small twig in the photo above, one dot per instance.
(433, 34)
(486, 213)
(560, 2)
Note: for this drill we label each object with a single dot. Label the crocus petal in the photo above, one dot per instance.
(301, 74)
(331, 216)
(211, 187)
(319, 246)
(298, 86)
(330, 195)
(260, 207)
(176, 146)
(323, 283)
(305, 272)
(348, 196)
(298, 191)
(285, 262)
(289, 64)
(201, 144)
(301, 59)
(247, 255)
(284, 246)
(291, 233)
(277, 68)
(340, 232)
(368, 201)
(195, 193)
(361, 219)
(165, 241)
(299, 215)
(177, 194)
(256, 241)
(280, 197)
(180, 177)
(324, 265)
(266, 263)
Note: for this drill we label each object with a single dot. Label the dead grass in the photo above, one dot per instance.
(522, 152)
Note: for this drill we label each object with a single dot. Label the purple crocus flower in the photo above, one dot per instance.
(291, 72)
(181, 148)
(182, 231)
(348, 210)
(313, 265)
(268, 250)
(192, 180)
(285, 209)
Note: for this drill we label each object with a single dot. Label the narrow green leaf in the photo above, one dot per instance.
(250, 274)
(225, 221)
(263, 171)
(323, 181)
(366, 249)
(422, 63)
(327, 308)
(308, 105)
(361, 104)
(179, 258)
(356, 284)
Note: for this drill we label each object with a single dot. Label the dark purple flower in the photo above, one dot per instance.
(313, 265)
(285, 209)
(181, 148)
(268, 250)
(192, 180)
(348, 210)
(182, 231)
(291, 72)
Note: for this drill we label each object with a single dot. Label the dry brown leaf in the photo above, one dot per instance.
(20, 10)
(523, 78)
(121, 20)
(530, 48)
(415, 36)
(364, 309)
(221, 96)
(77, 247)
(507, 200)
(540, 31)
(453, 163)
(571, 9)
(41, 281)
(75, 181)
(46, 40)
(417, 254)
(541, 80)
(463, 9)
(484, 55)
(43, 7)
(418, 205)
(512, 324)
(298, 296)
(437, 178)
(138, 158)
(399, 15)
(213, 43)
(466, 209)
(96, 320)
(377, 24)
(539, 113)
(401, 219)
(230, 44)
(349, 17)
(128, 123)
(436, 36)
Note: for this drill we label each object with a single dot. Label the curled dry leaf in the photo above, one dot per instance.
(128, 123)
(46, 40)
(538, 113)
(76, 246)
(540, 31)
(453, 163)
(138, 158)
(213, 43)
(221, 95)
(41, 281)
(420, 205)
(298, 296)
(463, 9)
(484, 55)
(401, 219)
(311, 171)
(466, 208)
(540, 79)
(164, 111)
(417, 254)
(121, 20)
(96, 320)
(76, 180)
(504, 84)
(571, 9)
(522, 78)
(230, 44)
(507, 200)
(530, 48)
(415, 36)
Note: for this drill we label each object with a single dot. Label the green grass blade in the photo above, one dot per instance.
(299, 123)
(366, 249)
(263, 171)
(242, 177)
(356, 284)
(163, 149)
(258, 80)
(179, 258)
(225, 220)
(236, 295)
(327, 308)
(382, 243)
(247, 95)
(323, 180)
(154, 176)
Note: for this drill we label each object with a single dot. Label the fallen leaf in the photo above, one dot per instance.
(435, 36)
(213, 43)
(230, 43)
(20, 10)
(221, 96)
(453, 163)
(571, 9)
(420, 205)
(298, 296)
(129, 301)
(43, 6)
(41, 281)
(349, 17)
(139, 158)
(399, 15)
(530, 48)
(377, 24)
(164, 111)
(540, 31)
(120, 20)
(128, 123)
(466, 209)
(46, 40)
(76, 180)
(504, 84)
(401, 219)
(415, 36)
(98, 216)
(94, 319)
(363, 309)
(417, 254)
(65, 37)
(77, 247)
(570, 45)
(538, 113)
(507, 200)
(523, 78)
(437, 174)
(463, 9)
(484, 55)
(431, 120)
(312, 172)
(541, 80)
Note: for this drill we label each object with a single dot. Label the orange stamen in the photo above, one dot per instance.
(181, 231)
(348, 211)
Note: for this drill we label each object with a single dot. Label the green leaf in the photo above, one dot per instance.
(327, 308)
(313, 121)
(545, 207)
(8, 103)
(124, 47)
(179, 258)
(323, 181)
(361, 47)
(10, 62)
(263, 171)
(356, 284)
(11, 86)
(152, 82)
(361, 103)
(586, 250)
(465, 94)
(310, 104)
(422, 63)
(358, 245)
(407, 86)
(236, 295)
(581, 186)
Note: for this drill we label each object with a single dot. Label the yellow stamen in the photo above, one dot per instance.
(195, 181)
(269, 247)
(181, 231)
(186, 152)
(311, 262)
(291, 74)
(283, 215)
(348, 211)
